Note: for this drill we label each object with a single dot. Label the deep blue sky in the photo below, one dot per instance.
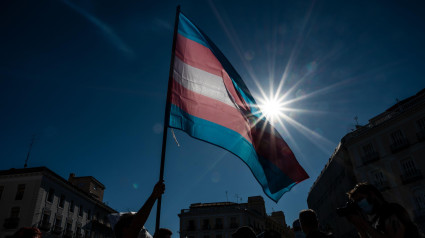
(89, 79)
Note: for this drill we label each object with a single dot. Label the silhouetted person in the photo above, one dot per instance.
(376, 218)
(130, 225)
(164, 233)
(244, 232)
(296, 226)
(310, 225)
(27, 232)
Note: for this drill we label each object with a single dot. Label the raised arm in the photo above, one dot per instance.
(142, 215)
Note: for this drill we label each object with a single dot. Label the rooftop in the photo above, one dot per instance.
(47, 171)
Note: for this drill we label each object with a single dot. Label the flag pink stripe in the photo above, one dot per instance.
(201, 57)
(197, 55)
(209, 109)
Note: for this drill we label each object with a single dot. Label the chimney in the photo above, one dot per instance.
(71, 177)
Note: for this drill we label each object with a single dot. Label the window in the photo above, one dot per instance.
(45, 219)
(421, 124)
(51, 195)
(14, 212)
(62, 201)
(80, 212)
(408, 167)
(71, 206)
(20, 192)
(397, 137)
(1, 190)
(206, 224)
(58, 222)
(368, 149)
(191, 226)
(219, 223)
(68, 227)
(233, 223)
(420, 199)
(378, 178)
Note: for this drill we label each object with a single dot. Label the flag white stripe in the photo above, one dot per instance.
(202, 82)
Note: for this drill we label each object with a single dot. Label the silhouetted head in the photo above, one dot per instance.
(296, 225)
(164, 233)
(244, 232)
(123, 223)
(28, 232)
(308, 221)
(367, 197)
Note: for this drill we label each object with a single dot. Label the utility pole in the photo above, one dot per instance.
(29, 151)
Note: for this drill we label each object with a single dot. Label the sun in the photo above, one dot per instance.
(272, 109)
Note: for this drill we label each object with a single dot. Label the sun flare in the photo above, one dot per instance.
(272, 109)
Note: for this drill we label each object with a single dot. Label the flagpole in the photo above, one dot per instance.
(167, 117)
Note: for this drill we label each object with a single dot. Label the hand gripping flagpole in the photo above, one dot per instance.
(167, 117)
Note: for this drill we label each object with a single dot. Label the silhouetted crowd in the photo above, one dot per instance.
(367, 210)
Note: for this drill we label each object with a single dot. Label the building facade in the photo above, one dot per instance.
(38, 197)
(388, 152)
(328, 193)
(221, 219)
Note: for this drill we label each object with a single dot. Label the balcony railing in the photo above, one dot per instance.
(421, 135)
(411, 176)
(11, 223)
(371, 157)
(45, 226)
(399, 145)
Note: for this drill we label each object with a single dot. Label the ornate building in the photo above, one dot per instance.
(221, 219)
(388, 152)
(38, 197)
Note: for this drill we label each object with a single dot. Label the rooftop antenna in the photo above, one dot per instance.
(29, 151)
(227, 198)
(356, 119)
(237, 198)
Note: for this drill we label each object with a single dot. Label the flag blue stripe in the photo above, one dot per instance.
(233, 142)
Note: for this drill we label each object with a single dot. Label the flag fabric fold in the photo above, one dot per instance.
(210, 102)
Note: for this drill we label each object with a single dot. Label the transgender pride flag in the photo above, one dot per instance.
(210, 102)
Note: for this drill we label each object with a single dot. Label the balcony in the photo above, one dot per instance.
(399, 145)
(11, 223)
(421, 135)
(371, 157)
(57, 230)
(45, 226)
(411, 176)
